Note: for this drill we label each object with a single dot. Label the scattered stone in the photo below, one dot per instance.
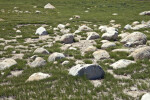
(90, 49)
(134, 39)
(91, 71)
(61, 26)
(115, 14)
(128, 27)
(65, 62)
(92, 35)
(41, 31)
(55, 56)
(101, 54)
(122, 63)
(38, 62)
(8, 47)
(1, 19)
(135, 23)
(16, 73)
(72, 48)
(38, 76)
(108, 45)
(41, 51)
(67, 38)
(18, 56)
(7, 98)
(121, 50)
(49, 6)
(146, 96)
(18, 31)
(79, 62)
(123, 35)
(96, 83)
(84, 28)
(145, 13)
(7, 63)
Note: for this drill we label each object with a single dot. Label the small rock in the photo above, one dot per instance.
(41, 51)
(84, 28)
(65, 62)
(49, 6)
(38, 62)
(101, 54)
(92, 35)
(41, 31)
(145, 13)
(67, 38)
(7, 63)
(55, 56)
(90, 49)
(128, 27)
(61, 26)
(108, 45)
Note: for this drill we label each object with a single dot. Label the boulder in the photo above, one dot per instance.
(55, 56)
(7, 63)
(41, 31)
(49, 6)
(41, 51)
(101, 54)
(38, 62)
(92, 35)
(134, 39)
(141, 53)
(91, 71)
(122, 63)
(38, 76)
(67, 38)
(146, 96)
(108, 45)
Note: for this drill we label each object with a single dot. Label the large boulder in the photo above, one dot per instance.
(141, 53)
(101, 54)
(134, 39)
(38, 62)
(146, 96)
(121, 63)
(91, 71)
(55, 56)
(7, 63)
(49, 6)
(67, 38)
(41, 31)
(41, 51)
(38, 76)
(92, 35)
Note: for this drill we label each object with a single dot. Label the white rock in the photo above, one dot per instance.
(38, 76)
(108, 45)
(18, 31)
(41, 31)
(91, 71)
(103, 28)
(101, 54)
(146, 96)
(65, 31)
(7, 63)
(72, 48)
(92, 35)
(67, 38)
(84, 28)
(135, 23)
(90, 49)
(38, 62)
(18, 56)
(128, 27)
(123, 35)
(55, 56)
(145, 13)
(49, 6)
(140, 26)
(65, 62)
(61, 26)
(41, 51)
(121, 63)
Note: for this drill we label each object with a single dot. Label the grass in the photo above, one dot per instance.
(61, 85)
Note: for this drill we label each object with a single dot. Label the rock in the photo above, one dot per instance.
(38, 62)
(41, 31)
(91, 71)
(135, 23)
(145, 13)
(7, 63)
(67, 38)
(134, 39)
(18, 31)
(49, 6)
(146, 96)
(115, 14)
(123, 35)
(121, 50)
(55, 56)
(103, 28)
(38, 76)
(79, 62)
(41, 51)
(128, 27)
(140, 26)
(61, 26)
(18, 56)
(111, 34)
(92, 35)
(72, 48)
(8, 47)
(101, 54)
(65, 62)
(108, 45)
(90, 49)
(141, 53)
(65, 31)
(84, 28)
(121, 63)
(16, 73)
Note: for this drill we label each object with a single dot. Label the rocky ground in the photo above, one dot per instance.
(74, 58)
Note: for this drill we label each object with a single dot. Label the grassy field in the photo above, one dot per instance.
(62, 86)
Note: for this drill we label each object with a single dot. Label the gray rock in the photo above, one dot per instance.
(49, 6)
(146, 96)
(134, 39)
(84, 28)
(101, 54)
(90, 49)
(38, 62)
(92, 35)
(108, 45)
(128, 27)
(122, 63)
(145, 13)
(55, 56)
(41, 31)
(41, 51)
(67, 38)
(91, 71)
(7, 63)
(61, 26)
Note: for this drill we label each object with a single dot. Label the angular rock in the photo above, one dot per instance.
(38, 76)
(38, 62)
(49, 6)
(41, 31)
(146, 96)
(122, 63)
(92, 35)
(55, 56)
(91, 71)
(7, 63)
(41, 51)
(108, 45)
(101, 54)
(134, 39)
(67, 38)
